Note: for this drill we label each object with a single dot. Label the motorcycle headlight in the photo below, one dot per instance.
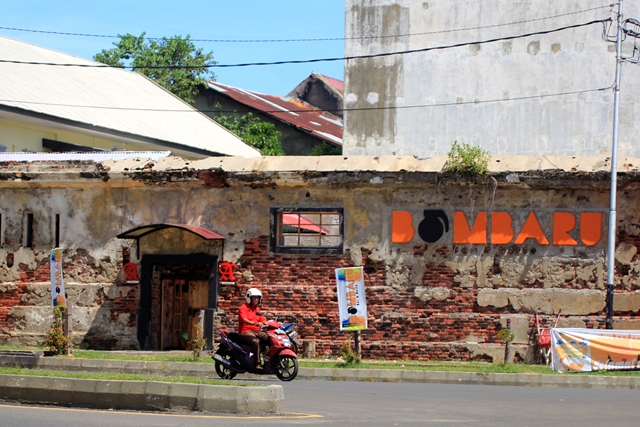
(286, 341)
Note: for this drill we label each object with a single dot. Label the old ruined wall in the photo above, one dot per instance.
(92, 264)
(427, 300)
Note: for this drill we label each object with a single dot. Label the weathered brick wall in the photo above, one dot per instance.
(302, 289)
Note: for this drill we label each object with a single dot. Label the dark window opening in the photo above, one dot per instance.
(28, 231)
(311, 230)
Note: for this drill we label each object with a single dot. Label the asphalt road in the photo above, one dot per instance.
(337, 403)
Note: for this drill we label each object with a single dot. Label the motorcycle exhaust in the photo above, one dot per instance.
(222, 360)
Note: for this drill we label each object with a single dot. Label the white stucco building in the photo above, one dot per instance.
(537, 94)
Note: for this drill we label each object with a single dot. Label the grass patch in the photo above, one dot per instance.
(479, 367)
(147, 357)
(119, 377)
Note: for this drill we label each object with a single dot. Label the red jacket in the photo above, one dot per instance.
(248, 313)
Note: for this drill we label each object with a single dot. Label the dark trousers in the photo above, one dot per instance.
(253, 338)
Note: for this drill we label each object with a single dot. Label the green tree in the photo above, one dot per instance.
(185, 67)
(261, 135)
(324, 149)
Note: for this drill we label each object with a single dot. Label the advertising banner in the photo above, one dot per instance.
(584, 350)
(352, 304)
(57, 282)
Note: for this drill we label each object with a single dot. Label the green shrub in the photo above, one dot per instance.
(57, 341)
(506, 335)
(347, 354)
(467, 159)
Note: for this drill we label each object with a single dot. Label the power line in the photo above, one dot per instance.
(392, 107)
(316, 39)
(310, 61)
(484, 26)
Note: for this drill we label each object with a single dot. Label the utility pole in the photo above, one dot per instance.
(611, 241)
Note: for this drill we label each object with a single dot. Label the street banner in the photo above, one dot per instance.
(585, 350)
(57, 282)
(352, 304)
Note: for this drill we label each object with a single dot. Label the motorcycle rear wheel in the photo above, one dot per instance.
(224, 372)
(286, 367)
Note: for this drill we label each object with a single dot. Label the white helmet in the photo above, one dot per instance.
(253, 292)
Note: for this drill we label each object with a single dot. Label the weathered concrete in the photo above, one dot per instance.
(22, 359)
(547, 301)
(142, 395)
(517, 100)
(335, 374)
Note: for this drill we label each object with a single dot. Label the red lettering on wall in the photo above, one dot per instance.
(501, 228)
(532, 230)
(402, 230)
(563, 223)
(590, 228)
(226, 272)
(131, 272)
(463, 234)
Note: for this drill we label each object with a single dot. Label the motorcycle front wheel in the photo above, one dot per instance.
(224, 372)
(286, 367)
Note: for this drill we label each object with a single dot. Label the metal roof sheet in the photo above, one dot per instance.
(138, 232)
(106, 100)
(323, 125)
(96, 156)
(334, 83)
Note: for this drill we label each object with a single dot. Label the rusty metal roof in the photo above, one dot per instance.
(321, 124)
(143, 230)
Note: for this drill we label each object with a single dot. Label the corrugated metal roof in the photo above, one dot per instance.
(95, 156)
(105, 100)
(319, 123)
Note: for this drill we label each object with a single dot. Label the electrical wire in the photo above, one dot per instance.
(310, 61)
(317, 39)
(392, 107)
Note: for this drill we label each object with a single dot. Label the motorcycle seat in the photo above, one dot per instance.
(234, 336)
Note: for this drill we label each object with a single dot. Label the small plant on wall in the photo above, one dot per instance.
(465, 159)
(197, 341)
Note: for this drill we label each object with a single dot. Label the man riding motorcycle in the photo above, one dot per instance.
(250, 322)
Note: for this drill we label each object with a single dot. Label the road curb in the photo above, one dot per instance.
(142, 395)
(207, 370)
(530, 380)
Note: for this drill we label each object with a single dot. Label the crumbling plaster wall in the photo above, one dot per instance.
(426, 300)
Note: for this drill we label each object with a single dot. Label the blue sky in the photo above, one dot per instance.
(215, 19)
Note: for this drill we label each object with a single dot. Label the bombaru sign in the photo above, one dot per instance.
(544, 228)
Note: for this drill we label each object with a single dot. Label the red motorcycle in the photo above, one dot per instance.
(233, 356)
